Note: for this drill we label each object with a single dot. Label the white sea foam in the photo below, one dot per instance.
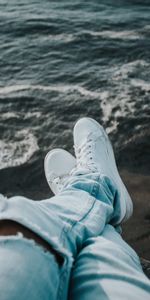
(13, 88)
(64, 37)
(8, 115)
(69, 37)
(125, 70)
(56, 88)
(147, 27)
(34, 114)
(124, 35)
(18, 152)
(142, 84)
(107, 107)
(115, 105)
(61, 37)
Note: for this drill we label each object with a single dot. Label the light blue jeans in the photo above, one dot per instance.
(75, 223)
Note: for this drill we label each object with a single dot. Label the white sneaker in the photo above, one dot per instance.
(58, 164)
(94, 152)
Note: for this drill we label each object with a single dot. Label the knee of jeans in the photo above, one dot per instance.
(26, 270)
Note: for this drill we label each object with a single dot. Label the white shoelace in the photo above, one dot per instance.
(58, 180)
(84, 155)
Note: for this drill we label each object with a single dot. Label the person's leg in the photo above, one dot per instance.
(26, 270)
(88, 201)
(65, 221)
(107, 269)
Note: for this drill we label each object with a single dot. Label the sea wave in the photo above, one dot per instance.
(60, 37)
(110, 34)
(70, 37)
(54, 88)
(125, 34)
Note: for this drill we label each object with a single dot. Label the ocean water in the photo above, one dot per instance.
(60, 60)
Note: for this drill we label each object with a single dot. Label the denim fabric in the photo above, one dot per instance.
(107, 269)
(66, 221)
(26, 270)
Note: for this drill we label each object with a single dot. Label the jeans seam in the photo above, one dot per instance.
(66, 229)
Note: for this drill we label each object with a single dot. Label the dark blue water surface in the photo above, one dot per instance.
(60, 60)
